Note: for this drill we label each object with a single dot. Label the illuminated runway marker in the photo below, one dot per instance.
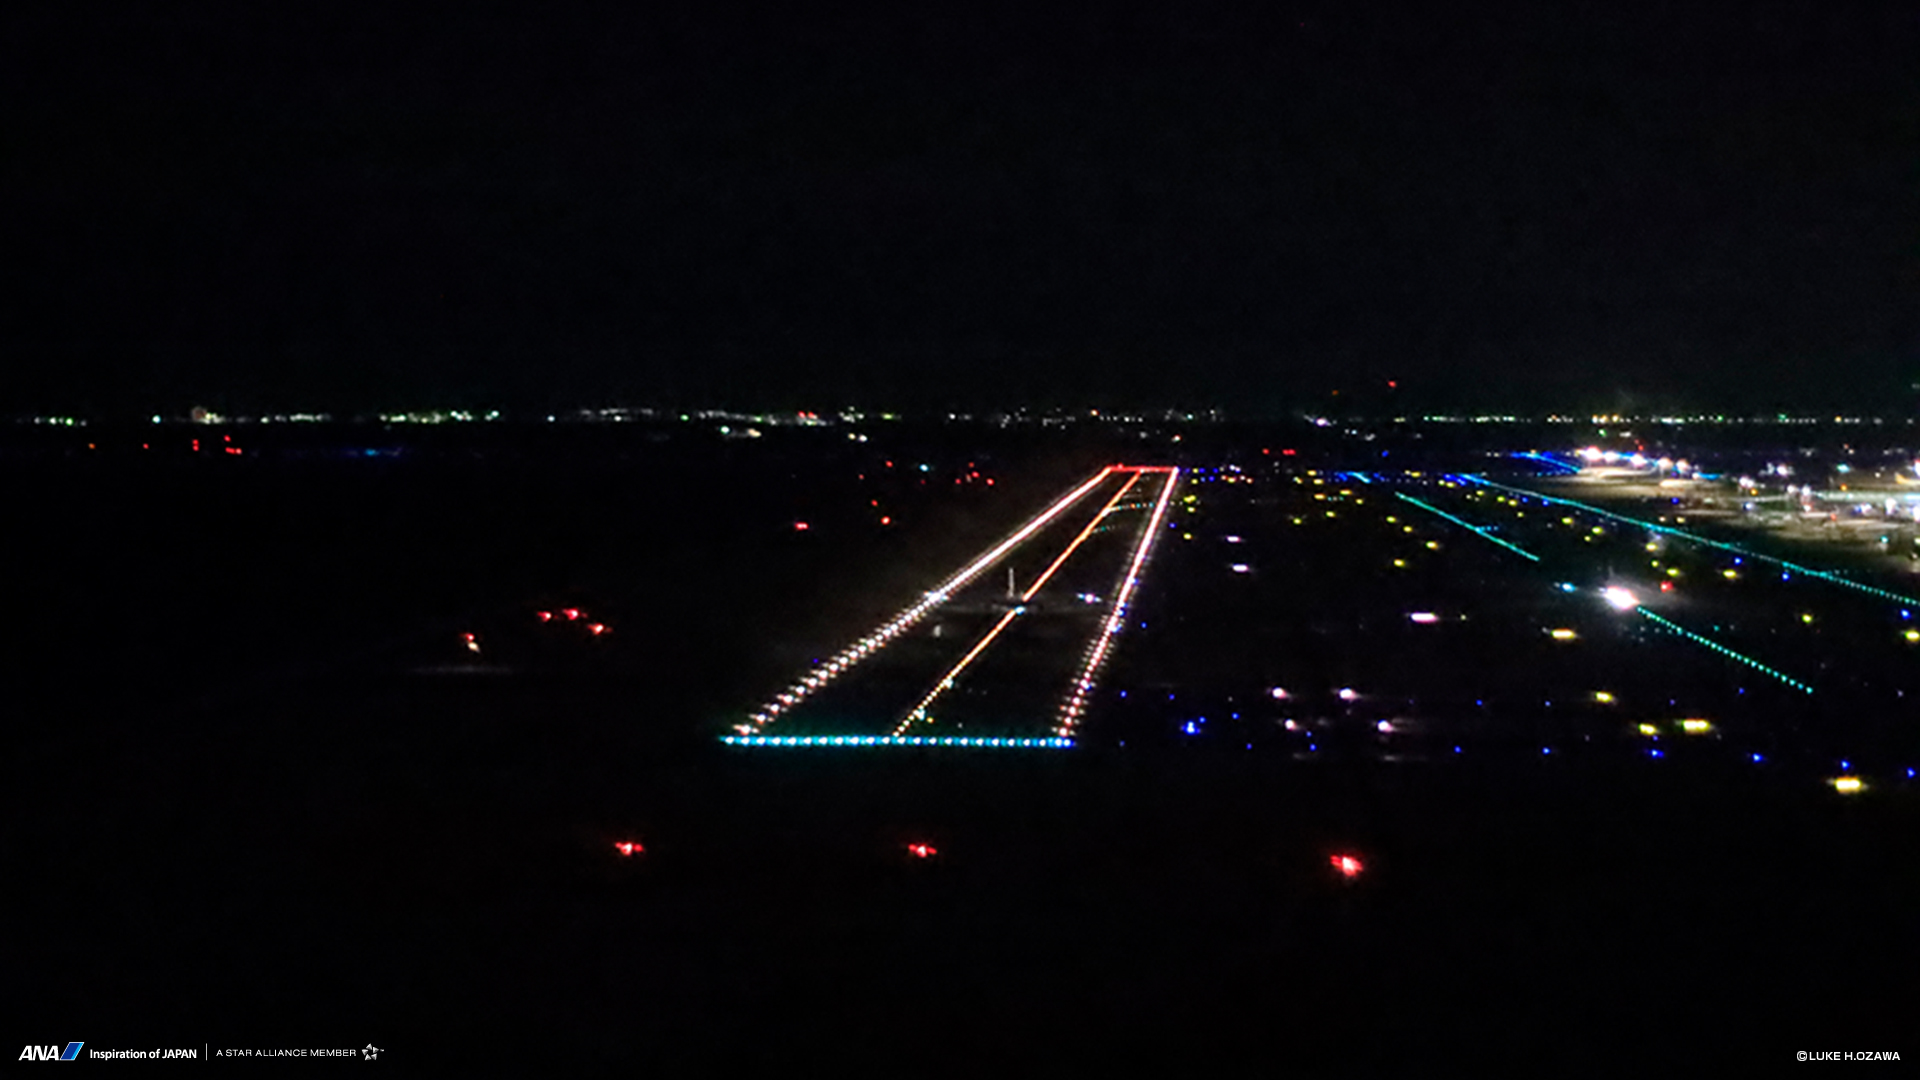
(864, 741)
(945, 682)
(1076, 704)
(873, 642)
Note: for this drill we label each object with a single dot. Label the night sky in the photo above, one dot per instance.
(1576, 206)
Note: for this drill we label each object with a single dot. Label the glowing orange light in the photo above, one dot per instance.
(1348, 866)
(628, 847)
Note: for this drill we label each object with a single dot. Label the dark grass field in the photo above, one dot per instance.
(239, 818)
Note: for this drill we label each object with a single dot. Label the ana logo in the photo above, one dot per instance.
(51, 1052)
(371, 1053)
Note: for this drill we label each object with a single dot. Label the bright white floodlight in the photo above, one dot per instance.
(1621, 599)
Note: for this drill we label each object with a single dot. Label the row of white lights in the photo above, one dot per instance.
(918, 714)
(1076, 704)
(872, 642)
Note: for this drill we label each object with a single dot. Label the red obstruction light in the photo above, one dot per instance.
(596, 628)
(628, 848)
(1348, 866)
(922, 851)
(571, 613)
(544, 616)
(799, 526)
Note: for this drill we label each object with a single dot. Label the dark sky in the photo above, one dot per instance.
(1576, 205)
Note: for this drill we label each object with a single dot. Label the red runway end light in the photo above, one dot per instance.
(799, 526)
(922, 851)
(544, 616)
(597, 628)
(1348, 866)
(571, 613)
(628, 848)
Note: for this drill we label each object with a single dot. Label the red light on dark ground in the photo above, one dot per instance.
(1666, 586)
(628, 848)
(571, 613)
(1348, 866)
(544, 616)
(922, 851)
(1286, 453)
(886, 521)
(799, 526)
(597, 628)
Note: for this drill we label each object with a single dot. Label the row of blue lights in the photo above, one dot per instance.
(1724, 651)
(985, 743)
(1467, 525)
(1534, 455)
(1698, 539)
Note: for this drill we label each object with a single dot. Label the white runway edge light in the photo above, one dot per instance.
(884, 635)
(1076, 704)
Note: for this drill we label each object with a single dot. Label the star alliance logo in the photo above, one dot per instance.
(371, 1053)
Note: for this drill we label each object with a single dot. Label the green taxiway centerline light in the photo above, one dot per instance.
(1467, 525)
(1724, 651)
(1822, 575)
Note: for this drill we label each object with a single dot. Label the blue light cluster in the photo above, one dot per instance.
(1726, 652)
(1532, 455)
(1467, 525)
(985, 743)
